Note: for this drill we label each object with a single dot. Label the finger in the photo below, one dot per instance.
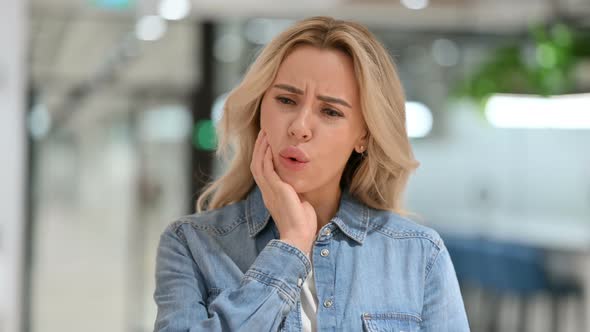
(269, 171)
(255, 153)
(278, 186)
(259, 167)
(264, 167)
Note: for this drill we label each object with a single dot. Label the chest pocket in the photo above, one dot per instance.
(390, 322)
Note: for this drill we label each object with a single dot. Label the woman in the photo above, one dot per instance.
(304, 231)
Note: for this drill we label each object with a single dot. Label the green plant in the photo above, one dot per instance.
(541, 65)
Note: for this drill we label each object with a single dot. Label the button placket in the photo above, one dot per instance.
(324, 234)
(324, 267)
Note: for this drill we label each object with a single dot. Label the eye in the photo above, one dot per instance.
(332, 113)
(285, 100)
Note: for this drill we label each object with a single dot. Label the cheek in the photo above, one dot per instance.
(270, 122)
(268, 115)
(264, 116)
(337, 151)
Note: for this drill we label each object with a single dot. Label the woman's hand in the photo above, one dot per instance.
(295, 219)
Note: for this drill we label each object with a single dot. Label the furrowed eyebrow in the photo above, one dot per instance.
(329, 99)
(289, 88)
(298, 91)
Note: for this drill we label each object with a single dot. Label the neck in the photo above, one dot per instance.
(325, 202)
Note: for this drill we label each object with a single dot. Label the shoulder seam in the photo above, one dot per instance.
(175, 228)
(219, 231)
(432, 262)
(213, 229)
(408, 234)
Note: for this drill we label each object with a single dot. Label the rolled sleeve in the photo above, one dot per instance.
(283, 266)
(267, 292)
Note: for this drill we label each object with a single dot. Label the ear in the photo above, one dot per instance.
(362, 143)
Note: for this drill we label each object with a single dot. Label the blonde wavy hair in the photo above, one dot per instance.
(378, 177)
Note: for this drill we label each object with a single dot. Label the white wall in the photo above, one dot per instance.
(529, 184)
(12, 159)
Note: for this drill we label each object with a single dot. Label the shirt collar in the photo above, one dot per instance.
(352, 217)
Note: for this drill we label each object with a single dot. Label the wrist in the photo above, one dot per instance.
(297, 244)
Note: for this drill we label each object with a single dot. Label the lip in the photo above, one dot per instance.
(293, 165)
(294, 152)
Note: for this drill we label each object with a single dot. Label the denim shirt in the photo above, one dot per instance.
(227, 270)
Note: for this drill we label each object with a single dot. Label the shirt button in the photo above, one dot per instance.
(325, 252)
(327, 231)
(328, 303)
(299, 282)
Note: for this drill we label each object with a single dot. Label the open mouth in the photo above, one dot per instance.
(294, 159)
(292, 163)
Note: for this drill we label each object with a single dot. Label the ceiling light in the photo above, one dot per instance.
(528, 111)
(150, 28)
(174, 9)
(418, 119)
(415, 4)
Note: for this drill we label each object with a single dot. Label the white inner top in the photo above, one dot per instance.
(309, 303)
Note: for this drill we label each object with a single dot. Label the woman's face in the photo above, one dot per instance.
(313, 104)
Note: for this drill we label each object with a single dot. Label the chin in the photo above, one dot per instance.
(301, 185)
(297, 183)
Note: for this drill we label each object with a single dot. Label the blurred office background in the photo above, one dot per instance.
(107, 134)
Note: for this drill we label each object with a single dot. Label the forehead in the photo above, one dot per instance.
(328, 71)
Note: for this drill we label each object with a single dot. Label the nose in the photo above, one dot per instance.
(300, 128)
